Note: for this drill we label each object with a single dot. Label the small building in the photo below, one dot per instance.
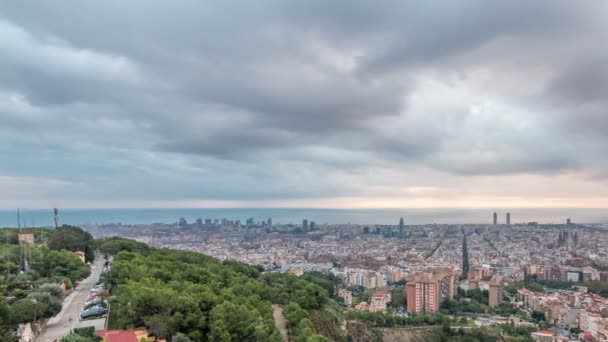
(346, 295)
(298, 272)
(543, 336)
(80, 255)
(363, 306)
(379, 300)
(26, 237)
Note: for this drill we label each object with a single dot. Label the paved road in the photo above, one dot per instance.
(59, 325)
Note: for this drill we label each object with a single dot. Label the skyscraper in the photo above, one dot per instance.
(305, 225)
(495, 218)
(508, 218)
(401, 228)
(270, 222)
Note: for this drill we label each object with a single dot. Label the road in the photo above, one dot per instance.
(69, 316)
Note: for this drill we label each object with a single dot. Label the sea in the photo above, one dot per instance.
(44, 218)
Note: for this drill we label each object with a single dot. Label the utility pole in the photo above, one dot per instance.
(35, 309)
(21, 249)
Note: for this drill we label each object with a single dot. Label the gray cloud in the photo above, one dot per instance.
(288, 100)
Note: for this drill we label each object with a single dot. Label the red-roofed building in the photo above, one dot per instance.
(122, 335)
(543, 336)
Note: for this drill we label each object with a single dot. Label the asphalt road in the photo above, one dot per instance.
(69, 316)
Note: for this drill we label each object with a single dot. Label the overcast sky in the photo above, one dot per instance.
(344, 104)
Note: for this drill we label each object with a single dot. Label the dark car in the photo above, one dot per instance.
(93, 312)
(92, 302)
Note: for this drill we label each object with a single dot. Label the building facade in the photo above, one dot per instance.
(495, 290)
(426, 291)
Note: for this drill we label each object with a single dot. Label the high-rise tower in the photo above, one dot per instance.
(508, 218)
(495, 218)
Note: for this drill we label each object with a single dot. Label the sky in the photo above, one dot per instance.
(321, 104)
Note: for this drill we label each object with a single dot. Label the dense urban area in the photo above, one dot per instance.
(537, 281)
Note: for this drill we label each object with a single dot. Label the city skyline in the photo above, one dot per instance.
(303, 105)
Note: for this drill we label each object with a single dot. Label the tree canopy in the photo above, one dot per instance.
(73, 239)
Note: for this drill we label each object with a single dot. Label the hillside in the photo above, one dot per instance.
(170, 292)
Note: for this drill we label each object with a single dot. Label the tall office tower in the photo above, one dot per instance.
(508, 218)
(568, 221)
(401, 228)
(305, 225)
(495, 290)
(426, 291)
(270, 222)
(495, 218)
(312, 225)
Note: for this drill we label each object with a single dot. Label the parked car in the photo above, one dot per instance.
(98, 306)
(93, 296)
(97, 289)
(93, 312)
(93, 302)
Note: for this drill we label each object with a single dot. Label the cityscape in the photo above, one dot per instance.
(554, 269)
(304, 171)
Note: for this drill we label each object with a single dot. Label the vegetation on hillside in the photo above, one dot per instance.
(31, 275)
(169, 291)
(73, 239)
(114, 245)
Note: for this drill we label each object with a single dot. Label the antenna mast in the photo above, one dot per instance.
(19, 239)
(56, 217)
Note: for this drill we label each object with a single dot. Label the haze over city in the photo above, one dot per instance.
(468, 104)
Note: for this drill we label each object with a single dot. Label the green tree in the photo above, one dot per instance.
(157, 326)
(398, 297)
(115, 245)
(25, 310)
(179, 337)
(538, 316)
(73, 239)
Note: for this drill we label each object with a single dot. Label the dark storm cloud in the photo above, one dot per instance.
(247, 99)
(434, 31)
(581, 91)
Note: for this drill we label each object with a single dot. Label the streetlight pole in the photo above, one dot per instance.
(35, 309)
